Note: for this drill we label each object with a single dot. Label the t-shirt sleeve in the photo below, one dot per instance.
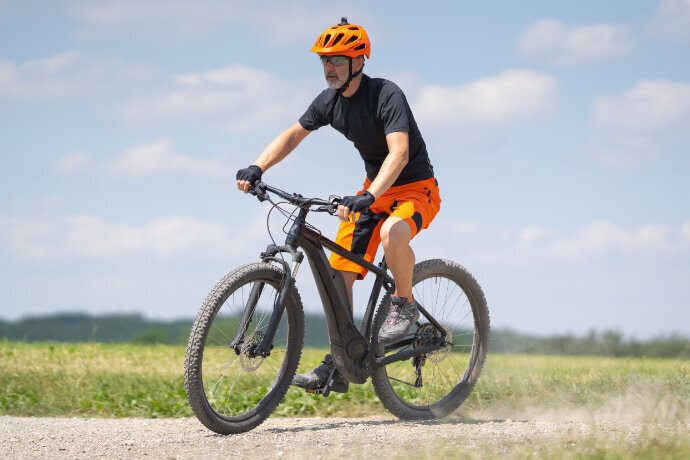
(394, 110)
(315, 116)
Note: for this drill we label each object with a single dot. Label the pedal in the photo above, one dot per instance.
(328, 387)
(329, 383)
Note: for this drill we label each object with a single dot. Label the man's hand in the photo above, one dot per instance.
(352, 204)
(247, 177)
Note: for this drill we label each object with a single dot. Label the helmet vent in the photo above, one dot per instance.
(325, 39)
(337, 39)
(350, 40)
(360, 47)
(353, 28)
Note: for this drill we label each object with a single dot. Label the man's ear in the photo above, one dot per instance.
(361, 60)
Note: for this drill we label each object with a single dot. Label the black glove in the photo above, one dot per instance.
(358, 203)
(252, 174)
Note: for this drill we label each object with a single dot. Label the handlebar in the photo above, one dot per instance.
(330, 206)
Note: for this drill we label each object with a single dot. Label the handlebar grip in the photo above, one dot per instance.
(259, 190)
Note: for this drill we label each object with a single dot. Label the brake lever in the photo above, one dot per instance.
(330, 209)
(258, 192)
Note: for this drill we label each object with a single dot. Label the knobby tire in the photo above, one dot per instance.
(455, 299)
(239, 392)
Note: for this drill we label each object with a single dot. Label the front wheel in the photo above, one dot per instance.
(230, 389)
(434, 385)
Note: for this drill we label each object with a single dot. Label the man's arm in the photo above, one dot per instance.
(397, 158)
(278, 149)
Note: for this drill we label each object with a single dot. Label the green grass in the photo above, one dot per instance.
(126, 380)
(649, 389)
(57, 379)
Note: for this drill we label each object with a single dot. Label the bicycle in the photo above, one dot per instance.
(246, 342)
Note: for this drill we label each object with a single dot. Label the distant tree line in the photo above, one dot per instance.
(607, 343)
(135, 328)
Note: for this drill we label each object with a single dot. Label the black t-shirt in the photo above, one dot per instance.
(377, 108)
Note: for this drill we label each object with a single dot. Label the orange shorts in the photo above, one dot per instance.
(416, 203)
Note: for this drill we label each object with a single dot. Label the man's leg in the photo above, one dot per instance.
(317, 378)
(403, 313)
(350, 278)
(396, 235)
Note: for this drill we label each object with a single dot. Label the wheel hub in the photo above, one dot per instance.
(427, 335)
(248, 360)
(440, 354)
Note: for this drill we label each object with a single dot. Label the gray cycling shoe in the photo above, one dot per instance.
(316, 379)
(401, 316)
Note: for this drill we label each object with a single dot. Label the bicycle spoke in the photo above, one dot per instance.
(443, 370)
(235, 382)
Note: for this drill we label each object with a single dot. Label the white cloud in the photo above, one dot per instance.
(534, 245)
(604, 237)
(512, 96)
(672, 20)
(651, 106)
(685, 232)
(68, 75)
(554, 42)
(238, 97)
(148, 158)
(72, 163)
(244, 97)
(532, 234)
(276, 22)
(38, 79)
(159, 157)
(634, 127)
(88, 236)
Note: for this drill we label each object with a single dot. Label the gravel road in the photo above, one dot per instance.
(383, 437)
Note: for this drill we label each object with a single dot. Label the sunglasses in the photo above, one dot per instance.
(335, 60)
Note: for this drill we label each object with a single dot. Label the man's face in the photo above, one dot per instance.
(336, 70)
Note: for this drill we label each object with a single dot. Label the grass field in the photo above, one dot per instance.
(121, 380)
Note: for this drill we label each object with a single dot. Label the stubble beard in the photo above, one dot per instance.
(334, 84)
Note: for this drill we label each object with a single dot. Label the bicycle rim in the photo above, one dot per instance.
(444, 378)
(238, 384)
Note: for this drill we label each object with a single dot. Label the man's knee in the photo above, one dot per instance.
(394, 232)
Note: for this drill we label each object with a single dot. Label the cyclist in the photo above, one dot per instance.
(399, 186)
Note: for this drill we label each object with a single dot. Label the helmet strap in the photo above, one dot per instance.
(346, 85)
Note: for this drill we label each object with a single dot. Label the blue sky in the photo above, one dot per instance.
(558, 131)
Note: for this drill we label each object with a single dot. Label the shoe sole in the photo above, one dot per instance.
(338, 387)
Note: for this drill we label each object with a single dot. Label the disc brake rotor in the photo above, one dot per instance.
(251, 363)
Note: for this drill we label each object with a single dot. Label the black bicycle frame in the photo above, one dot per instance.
(353, 354)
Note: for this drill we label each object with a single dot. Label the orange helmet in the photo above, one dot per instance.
(344, 39)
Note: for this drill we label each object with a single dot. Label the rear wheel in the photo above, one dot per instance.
(229, 389)
(434, 385)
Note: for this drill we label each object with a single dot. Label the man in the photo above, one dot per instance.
(374, 114)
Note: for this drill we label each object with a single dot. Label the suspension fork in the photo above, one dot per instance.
(286, 285)
(264, 348)
(247, 315)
